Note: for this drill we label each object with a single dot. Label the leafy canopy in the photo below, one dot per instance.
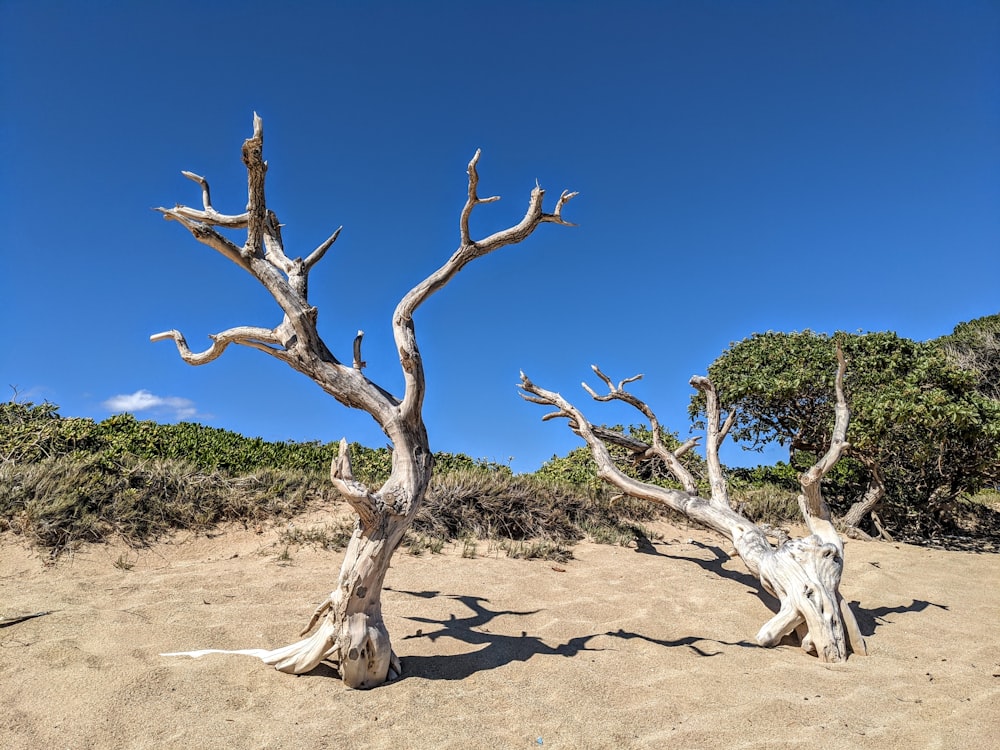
(916, 417)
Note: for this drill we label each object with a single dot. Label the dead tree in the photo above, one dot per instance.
(351, 631)
(804, 574)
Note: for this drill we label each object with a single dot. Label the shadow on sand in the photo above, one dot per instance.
(868, 619)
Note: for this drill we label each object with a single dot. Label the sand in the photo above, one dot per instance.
(617, 648)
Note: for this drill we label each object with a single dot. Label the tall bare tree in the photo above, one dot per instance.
(351, 630)
(804, 574)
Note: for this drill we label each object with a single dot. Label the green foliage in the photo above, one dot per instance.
(576, 468)
(975, 346)
(915, 416)
(780, 475)
(31, 432)
(767, 502)
(61, 501)
(487, 504)
(64, 481)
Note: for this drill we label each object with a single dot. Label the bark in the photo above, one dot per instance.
(860, 509)
(351, 631)
(804, 574)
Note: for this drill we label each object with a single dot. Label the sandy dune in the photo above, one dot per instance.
(618, 648)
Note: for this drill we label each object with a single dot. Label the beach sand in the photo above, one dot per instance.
(618, 648)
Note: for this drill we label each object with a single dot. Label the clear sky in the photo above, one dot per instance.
(742, 167)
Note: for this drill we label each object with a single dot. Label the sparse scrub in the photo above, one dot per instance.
(330, 536)
(60, 502)
(768, 503)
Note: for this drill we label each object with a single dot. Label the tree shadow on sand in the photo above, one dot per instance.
(688, 641)
(715, 565)
(868, 619)
(497, 649)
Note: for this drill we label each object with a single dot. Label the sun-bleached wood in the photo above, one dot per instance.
(804, 574)
(351, 630)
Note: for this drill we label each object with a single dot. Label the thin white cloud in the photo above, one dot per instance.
(143, 400)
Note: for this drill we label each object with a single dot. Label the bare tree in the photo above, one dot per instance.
(351, 631)
(804, 574)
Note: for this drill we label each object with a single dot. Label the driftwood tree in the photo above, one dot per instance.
(804, 574)
(351, 630)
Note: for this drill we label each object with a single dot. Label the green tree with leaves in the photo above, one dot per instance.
(921, 433)
(975, 346)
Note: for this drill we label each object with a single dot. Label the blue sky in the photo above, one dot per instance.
(742, 167)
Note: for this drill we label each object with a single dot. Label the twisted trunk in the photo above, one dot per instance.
(351, 631)
(803, 574)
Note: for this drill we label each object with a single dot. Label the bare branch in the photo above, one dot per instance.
(687, 446)
(473, 200)
(713, 439)
(358, 362)
(727, 426)
(316, 255)
(261, 339)
(402, 319)
(208, 214)
(602, 376)
(206, 198)
(564, 198)
(357, 494)
(814, 508)
(669, 458)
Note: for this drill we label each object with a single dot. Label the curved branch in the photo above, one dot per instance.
(263, 339)
(670, 458)
(208, 214)
(358, 362)
(357, 494)
(473, 199)
(814, 508)
(402, 319)
(804, 574)
(202, 231)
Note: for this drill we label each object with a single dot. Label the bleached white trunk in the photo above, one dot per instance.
(803, 574)
(351, 630)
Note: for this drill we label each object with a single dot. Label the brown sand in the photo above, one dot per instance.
(618, 648)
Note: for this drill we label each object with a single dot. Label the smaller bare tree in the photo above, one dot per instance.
(804, 574)
(351, 631)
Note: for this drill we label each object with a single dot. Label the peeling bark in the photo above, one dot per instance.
(351, 631)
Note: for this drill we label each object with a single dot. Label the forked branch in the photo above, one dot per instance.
(351, 630)
(468, 250)
(803, 573)
(671, 458)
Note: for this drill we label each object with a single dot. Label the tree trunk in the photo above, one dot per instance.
(804, 574)
(351, 630)
(859, 511)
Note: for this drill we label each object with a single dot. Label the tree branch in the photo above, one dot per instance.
(262, 339)
(814, 508)
(358, 496)
(402, 319)
(804, 573)
(713, 439)
(670, 458)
